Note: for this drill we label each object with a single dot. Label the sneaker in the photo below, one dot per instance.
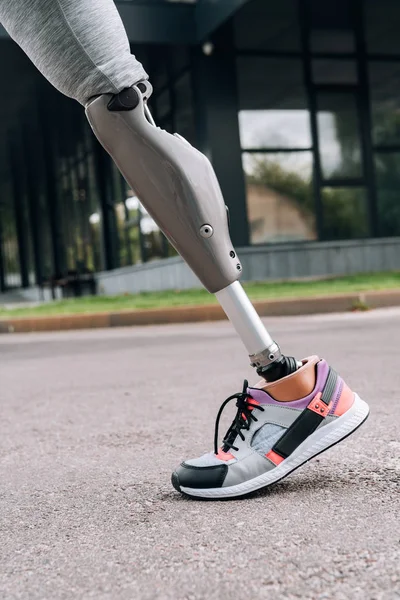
(278, 427)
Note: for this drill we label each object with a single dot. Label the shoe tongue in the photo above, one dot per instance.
(294, 386)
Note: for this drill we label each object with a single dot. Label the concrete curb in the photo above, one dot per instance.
(199, 313)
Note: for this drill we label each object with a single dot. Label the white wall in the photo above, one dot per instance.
(262, 263)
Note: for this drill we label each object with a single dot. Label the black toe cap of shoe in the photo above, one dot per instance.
(175, 481)
(188, 476)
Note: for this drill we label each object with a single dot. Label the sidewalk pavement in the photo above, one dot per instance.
(93, 422)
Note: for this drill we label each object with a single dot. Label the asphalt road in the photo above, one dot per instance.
(92, 423)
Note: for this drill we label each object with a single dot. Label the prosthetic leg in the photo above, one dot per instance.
(179, 189)
(305, 407)
(297, 410)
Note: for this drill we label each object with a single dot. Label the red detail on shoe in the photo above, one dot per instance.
(274, 457)
(319, 407)
(250, 402)
(224, 455)
(346, 401)
(249, 406)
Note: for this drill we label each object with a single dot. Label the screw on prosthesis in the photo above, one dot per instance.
(282, 367)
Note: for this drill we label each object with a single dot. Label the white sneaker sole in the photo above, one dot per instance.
(319, 441)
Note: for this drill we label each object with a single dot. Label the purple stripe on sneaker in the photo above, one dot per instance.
(336, 394)
(264, 398)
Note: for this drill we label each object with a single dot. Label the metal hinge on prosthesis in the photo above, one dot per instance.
(272, 365)
(128, 98)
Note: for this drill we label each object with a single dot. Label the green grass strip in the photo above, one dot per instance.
(256, 291)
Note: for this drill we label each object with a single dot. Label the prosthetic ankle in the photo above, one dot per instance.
(178, 187)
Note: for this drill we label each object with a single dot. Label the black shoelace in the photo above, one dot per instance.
(242, 420)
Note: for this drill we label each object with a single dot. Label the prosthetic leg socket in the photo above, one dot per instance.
(178, 187)
(175, 183)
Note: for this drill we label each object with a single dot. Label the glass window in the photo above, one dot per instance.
(163, 104)
(79, 214)
(120, 215)
(179, 59)
(25, 223)
(152, 238)
(384, 81)
(387, 172)
(9, 240)
(274, 129)
(74, 198)
(344, 213)
(144, 233)
(42, 216)
(333, 40)
(280, 202)
(158, 66)
(327, 71)
(67, 215)
(262, 25)
(87, 253)
(331, 26)
(94, 215)
(338, 131)
(132, 218)
(28, 239)
(382, 25)
(45, 237)
(272, 101)
(184, 113)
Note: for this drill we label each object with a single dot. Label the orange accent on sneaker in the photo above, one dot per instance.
(346, 401)
(224, 455)
(274, 457)
(251, 401)
(250, 407)
(319, 407)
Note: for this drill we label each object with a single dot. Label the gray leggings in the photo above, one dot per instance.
(80, 46)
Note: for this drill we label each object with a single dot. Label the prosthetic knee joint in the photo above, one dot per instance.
(178, 187)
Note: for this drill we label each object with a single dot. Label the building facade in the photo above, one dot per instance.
(296, 103)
